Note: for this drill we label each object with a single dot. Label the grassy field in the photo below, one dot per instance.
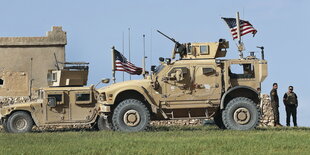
(160, 140)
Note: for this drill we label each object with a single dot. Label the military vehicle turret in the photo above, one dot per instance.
(197, 85)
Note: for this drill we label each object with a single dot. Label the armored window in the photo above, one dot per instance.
(1, 82)
(159, 68)
(204, 50)
(184, 70)
(208, 71)
(82, 97)
(189, 50)
(239, 71)
(54, 77)
(58, 97)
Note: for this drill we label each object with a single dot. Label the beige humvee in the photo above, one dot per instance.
(198, 85)
(65, 102)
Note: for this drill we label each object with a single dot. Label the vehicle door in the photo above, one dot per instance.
(56, 106)
(177, 83)
(82, 105)
(207, 83)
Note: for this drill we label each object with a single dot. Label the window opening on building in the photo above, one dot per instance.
(1, 82)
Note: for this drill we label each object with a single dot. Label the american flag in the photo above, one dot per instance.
(245, 27)
(121, 64)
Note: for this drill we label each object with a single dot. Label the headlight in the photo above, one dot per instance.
(102, 97)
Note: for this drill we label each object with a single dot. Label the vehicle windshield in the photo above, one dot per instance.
(159, 68)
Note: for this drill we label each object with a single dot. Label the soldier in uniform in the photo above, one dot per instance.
(275, 104)
(290, 101)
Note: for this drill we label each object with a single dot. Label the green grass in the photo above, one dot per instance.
(160, 140)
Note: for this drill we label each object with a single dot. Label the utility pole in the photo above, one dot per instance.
(144, 57)
(151, 47)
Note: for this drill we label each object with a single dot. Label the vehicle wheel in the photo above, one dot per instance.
(131, 115)
(19, 122)
(5, 125)
(218, 119)
(103, 123)
(241, 114)
(94, 126)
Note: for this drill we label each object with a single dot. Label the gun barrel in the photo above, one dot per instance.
(168, 37)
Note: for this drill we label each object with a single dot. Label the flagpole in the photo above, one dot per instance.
(129, 49)
(123, 52)
(240, 44)
(113, 64)
(238, 27)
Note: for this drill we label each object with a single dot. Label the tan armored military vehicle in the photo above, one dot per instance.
(198, 85)
(65, 102)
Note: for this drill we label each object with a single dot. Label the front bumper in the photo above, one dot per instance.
(1, 119)
(104, 108)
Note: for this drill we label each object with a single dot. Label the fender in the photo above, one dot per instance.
(140, 89)
(20, 107)
(235, 88)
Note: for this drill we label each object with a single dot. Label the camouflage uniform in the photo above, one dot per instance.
(291, 103)
(275, 106)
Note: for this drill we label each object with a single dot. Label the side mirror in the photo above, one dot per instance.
(153, 67)
(51, 102)
(105, 80)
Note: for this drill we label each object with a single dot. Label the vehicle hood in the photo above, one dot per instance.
(126, 84)
(6, 109)
(18, 105)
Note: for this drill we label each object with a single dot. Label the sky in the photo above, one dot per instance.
(94, 26)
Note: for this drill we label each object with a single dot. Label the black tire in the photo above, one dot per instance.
(241, 114)
(20, 122)
(131, 115)
(94, 126)
(5, 125)
(218, 119)
(103, 123)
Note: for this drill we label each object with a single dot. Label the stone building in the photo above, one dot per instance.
(25, 61)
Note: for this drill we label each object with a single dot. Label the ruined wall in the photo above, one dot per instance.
(25, 61)
(267, 113)
(14, 83)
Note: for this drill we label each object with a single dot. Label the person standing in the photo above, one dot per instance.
(291, 103)
(275, 104)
